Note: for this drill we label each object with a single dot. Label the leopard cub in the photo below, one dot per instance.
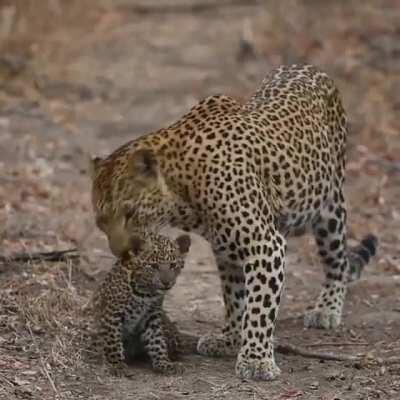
(128, 305)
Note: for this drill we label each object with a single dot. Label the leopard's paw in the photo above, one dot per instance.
(168, 368)
(216, 345)
(120, 370)
(322, 319)
(263, 369)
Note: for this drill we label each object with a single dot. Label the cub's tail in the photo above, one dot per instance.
(360, 255)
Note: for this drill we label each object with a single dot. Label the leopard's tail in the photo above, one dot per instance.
(360, 255)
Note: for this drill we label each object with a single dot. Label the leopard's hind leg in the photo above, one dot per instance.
(330, 235)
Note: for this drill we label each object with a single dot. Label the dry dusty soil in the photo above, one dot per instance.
(83, 77)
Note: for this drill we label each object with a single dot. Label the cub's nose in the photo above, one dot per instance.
(166, 285)
(167, 276)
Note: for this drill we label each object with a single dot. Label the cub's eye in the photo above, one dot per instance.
(173, 265)
(155, 266)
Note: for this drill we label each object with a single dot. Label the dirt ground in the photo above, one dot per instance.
(83, 77)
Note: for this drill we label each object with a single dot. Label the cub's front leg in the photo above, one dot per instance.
(110, 314)
(156, 343)
(111, 341)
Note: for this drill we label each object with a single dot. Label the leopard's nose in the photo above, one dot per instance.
(119, 242)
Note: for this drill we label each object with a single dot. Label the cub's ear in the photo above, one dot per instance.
(183, 243)
(94, 163)
(144, 163)
(136, 244)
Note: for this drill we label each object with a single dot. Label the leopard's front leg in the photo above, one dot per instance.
(264, 278)
(247, 236)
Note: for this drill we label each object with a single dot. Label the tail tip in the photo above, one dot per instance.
(370, 242)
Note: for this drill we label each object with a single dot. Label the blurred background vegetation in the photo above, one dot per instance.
(89, 75)
(81, 41)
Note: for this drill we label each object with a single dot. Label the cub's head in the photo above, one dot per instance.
(128, 195)
(155, 262)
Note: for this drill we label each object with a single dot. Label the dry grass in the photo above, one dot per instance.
(41, 319)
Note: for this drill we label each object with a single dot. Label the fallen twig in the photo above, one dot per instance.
(337, 344)
(361, 360)
(187, 8)
(62, 255)
(291, 349)
(4, 379)
(387, 361)
(46, 373)
(43, 369)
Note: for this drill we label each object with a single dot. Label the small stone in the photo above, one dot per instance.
(314, 385)
(335, 374)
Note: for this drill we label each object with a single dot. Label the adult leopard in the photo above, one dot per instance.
(245, 176)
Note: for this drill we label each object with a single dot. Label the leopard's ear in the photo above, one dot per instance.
(183, 242)
(144, 163)
(94, 163)
(136, 244)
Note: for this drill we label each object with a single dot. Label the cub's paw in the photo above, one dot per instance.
(216, 345)
(120, 370)
(168, 368)
(257, 369)
(322, 319)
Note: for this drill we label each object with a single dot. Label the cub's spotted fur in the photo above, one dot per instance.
(245, 176)
(128, 305)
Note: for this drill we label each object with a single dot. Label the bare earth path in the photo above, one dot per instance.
(102, 74)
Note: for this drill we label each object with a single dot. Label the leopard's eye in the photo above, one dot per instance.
(154, 266)
(101, 221)
(128, 215)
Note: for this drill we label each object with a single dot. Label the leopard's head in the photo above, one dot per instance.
(154, 262)
(129, 194)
